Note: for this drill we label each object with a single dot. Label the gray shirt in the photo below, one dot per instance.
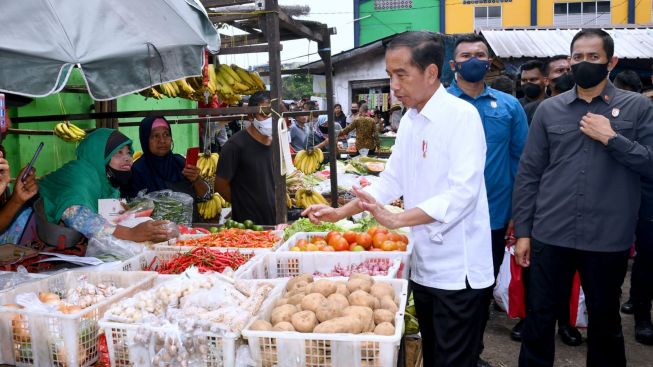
(298, 136)
(572, 191)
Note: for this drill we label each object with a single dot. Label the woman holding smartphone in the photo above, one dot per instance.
(160, 169)
(14, 214)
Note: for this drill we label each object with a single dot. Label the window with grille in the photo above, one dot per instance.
(582, 13)
(392, 4)
(487, 17)
(471, 2)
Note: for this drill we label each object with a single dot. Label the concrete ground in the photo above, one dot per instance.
(501, 351)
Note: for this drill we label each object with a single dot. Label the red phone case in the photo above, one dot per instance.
(192, 154)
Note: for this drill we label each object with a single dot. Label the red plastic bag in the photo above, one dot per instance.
(516, 291)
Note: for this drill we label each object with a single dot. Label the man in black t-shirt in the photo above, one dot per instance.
(244, 176)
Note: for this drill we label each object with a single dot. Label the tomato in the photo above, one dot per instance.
(381, 230)
(378, 239)
(339, 244)
(350, 236)
(358, 248)
(401, 246)
(332, 234)
(311, 247)
(328, 248)
(364, 240)
(320, 243)
(301, 244)
(318, 238)
(389, 245)
(372, 231)
(404, 238)
(352, 245)
(394, 236)
(295, 248)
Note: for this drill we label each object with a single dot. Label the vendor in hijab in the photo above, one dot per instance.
(318, 136)
(160, 169)
(71, 193)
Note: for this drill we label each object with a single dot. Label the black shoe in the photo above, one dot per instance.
(570, 335)
(482, 363)
(644, 332)
(627, 308)
(515, 333)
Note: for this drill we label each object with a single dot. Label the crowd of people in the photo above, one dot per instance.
(567, 170)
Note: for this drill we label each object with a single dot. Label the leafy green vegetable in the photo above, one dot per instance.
(305, 225)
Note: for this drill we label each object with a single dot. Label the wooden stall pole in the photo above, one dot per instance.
(273, 39)
(324, 50)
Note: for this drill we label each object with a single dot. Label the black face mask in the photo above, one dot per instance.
(324, 129)
(118, 178)
(354, 111)
(588, 75)
(531, 90)
(563, 83)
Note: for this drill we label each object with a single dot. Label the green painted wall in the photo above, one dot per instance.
(424, 15)
(57, 152)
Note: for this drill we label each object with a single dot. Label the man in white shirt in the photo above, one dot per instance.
(437, 166)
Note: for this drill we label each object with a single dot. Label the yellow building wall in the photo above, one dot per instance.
(460, 17)
(544, 12)
(643, 12)
(619, 11)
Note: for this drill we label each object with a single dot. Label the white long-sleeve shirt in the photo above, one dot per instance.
(437, 165)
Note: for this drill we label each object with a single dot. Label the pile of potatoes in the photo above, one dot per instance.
(358, 306)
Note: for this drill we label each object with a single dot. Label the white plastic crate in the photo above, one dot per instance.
(154, 257)
(295, 349)
(220, 348)
(32, 338)
(403, 255)
(289, 264)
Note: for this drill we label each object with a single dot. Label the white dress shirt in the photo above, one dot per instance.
(437, 164)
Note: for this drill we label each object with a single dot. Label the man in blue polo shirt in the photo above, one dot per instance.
(505, 126)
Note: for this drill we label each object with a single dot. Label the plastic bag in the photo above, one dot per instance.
(141, 209)
(11, 279)
(169, 205)
(509, 290)
(110, 248)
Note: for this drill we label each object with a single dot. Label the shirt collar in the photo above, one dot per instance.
(456, 91)
(431, 107)
(607, 95)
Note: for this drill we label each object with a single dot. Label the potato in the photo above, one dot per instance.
(370, 327)
(281, 302)
(382, 315)
(345, 324)
(341, 288)
(380, 289)
(282, 313)
(377, 304)
(328, 310)
(298, 286)
(308, 278)
(296, 291)
(361, 276)
(388, 303)
(361, 298)
(364, 314)
(356, 284)
(339, 299)
(299, 307)
(312, 301)
(283, 326)
(384, 328)
(296, 299)
(324, 286)
(304, 321)
(261, 325)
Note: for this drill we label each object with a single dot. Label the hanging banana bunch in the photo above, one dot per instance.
(69, 132)
(137, 154)
(309, 161)
(211, 209)
(208, 164)
(307, 197)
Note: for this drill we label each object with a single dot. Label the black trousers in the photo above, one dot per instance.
(450, 324)
(601, 274)
(641, 281)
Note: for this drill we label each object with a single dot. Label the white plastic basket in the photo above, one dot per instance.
(221, 348)
(154, 257)
(32, 338)
(269, 348)
(289, 264)
(403, 255)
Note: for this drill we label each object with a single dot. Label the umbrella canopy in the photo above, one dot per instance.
(120, 46)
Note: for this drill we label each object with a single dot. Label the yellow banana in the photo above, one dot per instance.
(244, 76)
(257, 79)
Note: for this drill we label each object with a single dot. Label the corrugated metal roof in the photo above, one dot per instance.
(630, 43)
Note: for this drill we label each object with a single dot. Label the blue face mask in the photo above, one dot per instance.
(472, 70)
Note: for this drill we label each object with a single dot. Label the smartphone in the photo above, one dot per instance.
(3, 113)
(31, 163)
(192, 154)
